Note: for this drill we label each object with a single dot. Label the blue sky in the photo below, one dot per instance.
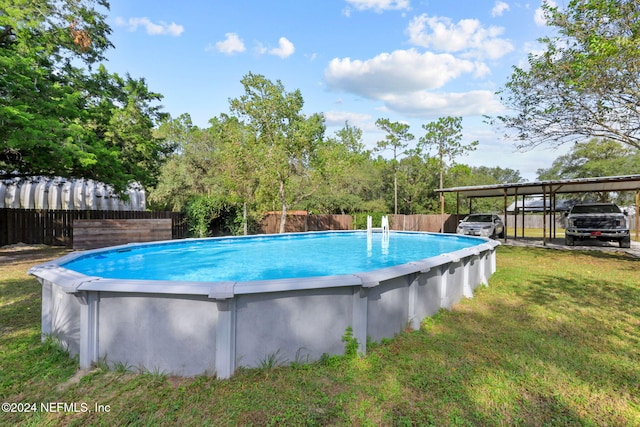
(410, 61)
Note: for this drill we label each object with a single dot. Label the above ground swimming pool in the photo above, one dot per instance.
(207, 306)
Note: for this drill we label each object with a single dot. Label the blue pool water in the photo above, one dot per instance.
(266, 257)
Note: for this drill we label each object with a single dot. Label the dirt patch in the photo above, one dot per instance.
(585, 245)
(23, 251)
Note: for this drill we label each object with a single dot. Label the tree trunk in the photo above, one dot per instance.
(244, 218)
(395, 192)
(283, 201)
(441, 202)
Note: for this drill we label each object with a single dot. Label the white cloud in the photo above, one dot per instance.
(379, 5)
(402, 71)
(538, 16)
(230, 45)
(285, 48)
(161, 28)
(426, 104)
(406, 80)
(499, 8)
(467, 37)
(260, 48)
(338, 119)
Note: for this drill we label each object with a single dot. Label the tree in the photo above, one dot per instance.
(57, 118)
(417, 179)
(445, 136)
(345, 173)
(496, 175)
(237, 162)
(594, 158)
(286, 140)
(188, 169)
(130, 132)
(41, 106)
(463, 175)
(587, 81)
(396, 139)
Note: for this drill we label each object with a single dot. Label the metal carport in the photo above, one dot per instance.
(549, 190)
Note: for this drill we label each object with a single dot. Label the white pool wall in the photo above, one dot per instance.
(192, 328)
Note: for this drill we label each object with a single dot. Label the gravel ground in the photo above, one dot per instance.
(584, 245)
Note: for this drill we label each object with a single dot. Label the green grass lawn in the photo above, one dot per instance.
(554, 340)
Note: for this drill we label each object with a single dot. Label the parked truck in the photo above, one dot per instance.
(601, 221)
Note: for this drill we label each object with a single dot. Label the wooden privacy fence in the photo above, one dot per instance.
(98, 233)
(55, 227)
(431, 222)
(300, 221)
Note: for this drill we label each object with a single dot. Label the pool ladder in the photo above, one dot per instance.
(384, 228)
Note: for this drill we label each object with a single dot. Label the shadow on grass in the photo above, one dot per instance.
(24, 359)
(19, 309)
(547, 351)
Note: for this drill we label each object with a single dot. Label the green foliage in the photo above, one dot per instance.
(445, 137)
(286, 141)
(209, 215)
(341, 177)
(57, 118)
(361, 219)
(191, 170)
(585, 83)
(350, 343)
(343, 174)
(330, 360)
(272, 361)
(594, 158)
(462, 175)
(417, 178)
(396, 139)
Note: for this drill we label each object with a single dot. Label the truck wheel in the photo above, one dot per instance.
(569, 241)
(625, 242)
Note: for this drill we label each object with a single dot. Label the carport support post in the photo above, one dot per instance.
(637, 213)
(505, 215)
(552, 215)
(523, 201)
(544, 215)
(515, 216)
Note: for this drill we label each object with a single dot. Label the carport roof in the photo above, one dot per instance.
(581, 185)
